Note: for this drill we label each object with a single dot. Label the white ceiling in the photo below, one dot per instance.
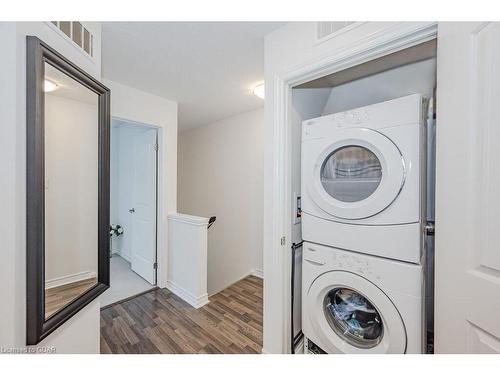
(68, 88)
(209, 68)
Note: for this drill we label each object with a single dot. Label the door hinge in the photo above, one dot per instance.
(156, 146)
(283, 241)
(155, 265)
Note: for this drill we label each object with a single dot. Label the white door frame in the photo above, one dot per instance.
(161, 211)
(277, 272)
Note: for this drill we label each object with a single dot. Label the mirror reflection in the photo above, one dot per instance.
(71, 189)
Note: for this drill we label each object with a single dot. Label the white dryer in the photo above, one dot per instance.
(356, 303)
(363, 169)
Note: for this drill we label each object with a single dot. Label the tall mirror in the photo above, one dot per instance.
(71, 141)
(67, 189)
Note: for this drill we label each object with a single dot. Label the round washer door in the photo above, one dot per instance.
(357, 175)
(352, 315)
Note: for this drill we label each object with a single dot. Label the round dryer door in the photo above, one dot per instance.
(352, 315)
(359, 174)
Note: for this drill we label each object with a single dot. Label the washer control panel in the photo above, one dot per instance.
(340, 259)
(353, 263)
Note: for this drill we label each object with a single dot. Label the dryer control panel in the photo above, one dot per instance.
(401, 111)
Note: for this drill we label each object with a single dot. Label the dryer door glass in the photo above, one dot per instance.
(351, 173)
(353, 317)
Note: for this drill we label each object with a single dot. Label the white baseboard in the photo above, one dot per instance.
(63, 280)
(122, 255)
(180, 292)
(126, 257)
(257, 273)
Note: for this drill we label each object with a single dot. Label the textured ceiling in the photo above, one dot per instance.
(209, 68)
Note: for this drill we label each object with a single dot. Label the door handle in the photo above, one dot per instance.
(316, 262)
(132, 210)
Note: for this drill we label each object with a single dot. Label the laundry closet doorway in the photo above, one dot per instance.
(134, 197)
(284, 73)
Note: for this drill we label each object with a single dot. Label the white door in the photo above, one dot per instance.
(467, 268)
(144, 206)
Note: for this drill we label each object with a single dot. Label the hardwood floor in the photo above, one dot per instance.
(160, 322)
(58, 297)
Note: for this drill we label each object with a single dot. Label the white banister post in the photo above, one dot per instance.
(187, 263)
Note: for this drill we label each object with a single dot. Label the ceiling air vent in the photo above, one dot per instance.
(75, 31)
(326, 29)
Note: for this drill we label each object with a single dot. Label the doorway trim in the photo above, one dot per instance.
(159, 232)
(278, 192)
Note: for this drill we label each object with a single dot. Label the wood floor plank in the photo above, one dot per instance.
(161, 322)
(58, 297)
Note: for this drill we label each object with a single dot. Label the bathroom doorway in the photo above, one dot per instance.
(133, 206)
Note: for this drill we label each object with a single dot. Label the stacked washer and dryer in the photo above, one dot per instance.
(363, 220)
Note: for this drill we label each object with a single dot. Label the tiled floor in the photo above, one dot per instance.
(124, 282)
(160, 322)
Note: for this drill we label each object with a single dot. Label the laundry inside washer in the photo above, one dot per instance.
(354, 317)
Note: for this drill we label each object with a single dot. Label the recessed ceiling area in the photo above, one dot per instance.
(209, 68)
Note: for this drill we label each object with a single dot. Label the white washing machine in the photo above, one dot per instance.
(357, 303)
(364, 169)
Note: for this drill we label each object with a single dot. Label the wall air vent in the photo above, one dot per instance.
(328, 29)
(75, 31)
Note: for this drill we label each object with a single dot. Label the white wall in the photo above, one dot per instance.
(81, 333)
(419, 77)
(221, 174)
(71, 187)
(132, 105)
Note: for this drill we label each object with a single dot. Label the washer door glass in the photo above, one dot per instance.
(351, 173)
(353, 317)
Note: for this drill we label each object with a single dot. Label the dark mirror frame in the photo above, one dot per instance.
(39, 53)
